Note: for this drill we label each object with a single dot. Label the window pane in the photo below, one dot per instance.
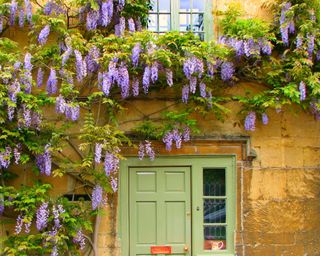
(185, 5)
(197, 22)
(200, 35)
(154, 6)
(185, 22)
(214, 211)
(215, 238)
(214, 182)
(198, 6)
(164, 6)
(152, 24)
(164, 22)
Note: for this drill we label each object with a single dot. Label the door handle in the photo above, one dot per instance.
(186, 248)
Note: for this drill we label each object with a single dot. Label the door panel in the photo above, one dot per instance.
(159, 209)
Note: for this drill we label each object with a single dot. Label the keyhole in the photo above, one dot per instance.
(198, 208)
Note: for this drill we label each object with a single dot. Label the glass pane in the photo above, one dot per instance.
(197, 22)
(200, 35)
(154, 6)
(215, 238)
(198, 6)
(214, 211)
(164, 6)
(185, 5)
(164, 22)
(152, 24)
(214, 182)
(185, 22)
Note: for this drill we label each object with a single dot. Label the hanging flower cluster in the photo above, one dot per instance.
(145, 148)
(44, 161)
(176, 136)
(248, 47)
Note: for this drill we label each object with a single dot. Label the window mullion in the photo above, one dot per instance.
(208, 21)
(175, 15)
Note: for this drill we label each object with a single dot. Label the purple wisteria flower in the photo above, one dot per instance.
(13, 11)
(60, 104)
(40, 77)
(121, 4)
(302, 90)
(112, 70)
(52, 82)
(135, 86)
(92, 19)
(299, 41)
(19, 224)
(1, 205)
(54, 251)
(177, 137)
(124, 81)
(13, 90)
(186, 134)
(310, 44)
(265, 46)
(80, 67)
(66, 55)
(36, 120)
(284, 30)
(72, 112)
(111, 163)
(92, 59)
(1, 23)
(146, 79)
(27, 62)
(10, 113)
(189, 66)
(138, 24)
(136, 50)
(131, 25)
(114, 184)
(106, 83)
(318, 55)
(21, 17)
(17, 65)
(120, 28)
(43, 35)
(98, 151)
(168, 140)
(48, 8)
(56, 215)
(203, 92)
(42, 216)
(44, 161)
(28, 7)
(80, 239)
(227, 70)
(265, 119)
(97, 197)
(141, 151)
(5, 158)
(185, 94)
(154, 71)
(149, 150)
(26, 116)
(291, 27)
(250, 121)
(27, 226)
(169, 76)
(106, 13)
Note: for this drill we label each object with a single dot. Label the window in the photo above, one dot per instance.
(183, 16)
(214, 209)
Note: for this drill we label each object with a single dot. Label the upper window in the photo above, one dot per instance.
(183, 16)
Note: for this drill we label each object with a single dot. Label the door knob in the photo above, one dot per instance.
(186, 248)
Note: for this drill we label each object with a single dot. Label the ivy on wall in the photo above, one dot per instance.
(85, 57)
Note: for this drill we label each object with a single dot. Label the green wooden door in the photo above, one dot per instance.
(159, 209)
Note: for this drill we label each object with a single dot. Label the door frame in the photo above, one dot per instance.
(196, 162)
